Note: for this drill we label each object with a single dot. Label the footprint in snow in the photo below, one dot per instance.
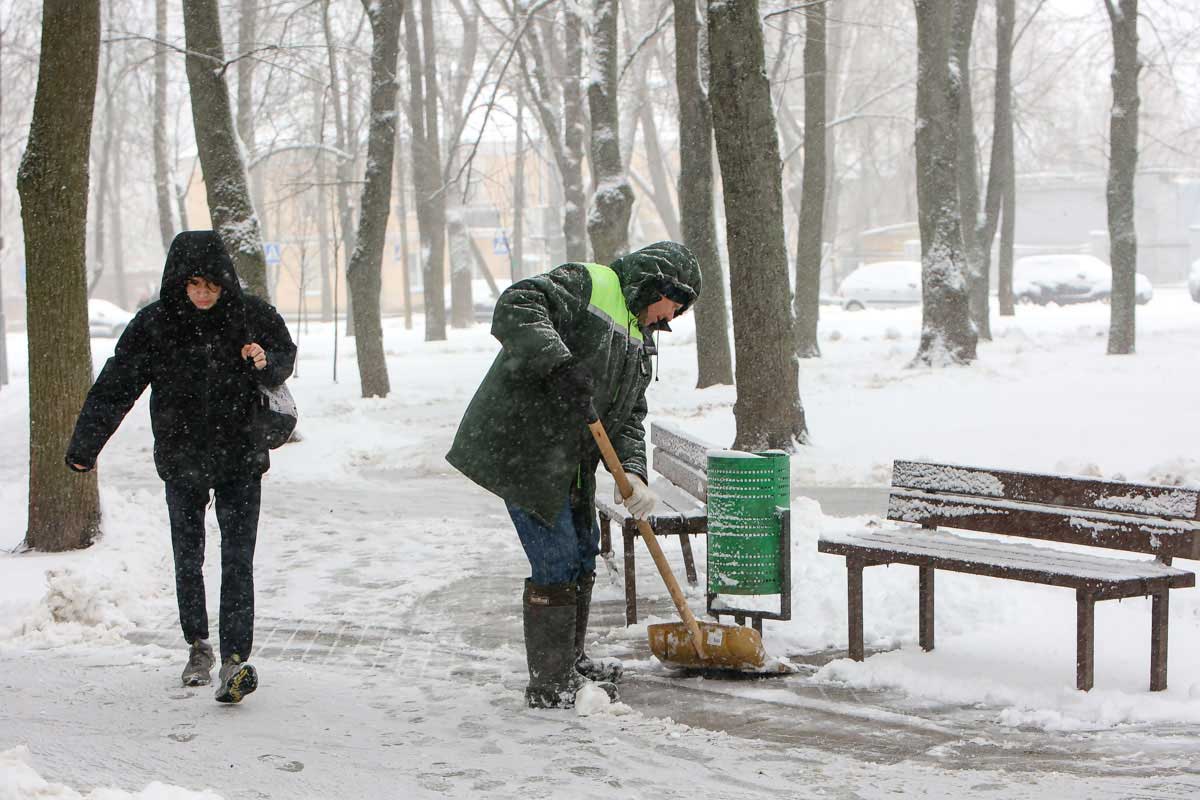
(281, 763)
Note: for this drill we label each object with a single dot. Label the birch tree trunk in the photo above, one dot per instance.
(64, 507)
(809, 250)
(1122, 170)
(768, 409)
(225, 182)
(947, 335)
(162, 166)
(612, 199)
(364, 275)
(714, 359)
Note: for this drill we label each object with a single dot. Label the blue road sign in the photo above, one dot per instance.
(271, 249)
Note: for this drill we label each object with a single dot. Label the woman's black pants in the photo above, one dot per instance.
(237, 514)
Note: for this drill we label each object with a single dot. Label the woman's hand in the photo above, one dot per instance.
(254, 351)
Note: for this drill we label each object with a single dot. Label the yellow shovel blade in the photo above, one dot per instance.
(725, 646)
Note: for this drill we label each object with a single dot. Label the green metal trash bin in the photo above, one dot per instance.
(745, 493)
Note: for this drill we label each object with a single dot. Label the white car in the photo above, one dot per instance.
(106, 319)
(1194, 281)
(1069, 278)
(884, 283)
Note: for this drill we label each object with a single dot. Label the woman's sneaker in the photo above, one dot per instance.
(198, 671)
(235, 680)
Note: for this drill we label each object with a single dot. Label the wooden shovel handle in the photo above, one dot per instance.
(660, 560)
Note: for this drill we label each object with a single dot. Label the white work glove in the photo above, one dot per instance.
(642, 502)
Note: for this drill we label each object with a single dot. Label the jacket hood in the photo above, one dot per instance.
(199, 254)
(663, 268)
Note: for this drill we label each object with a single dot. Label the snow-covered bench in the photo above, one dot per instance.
(681, 462)
(1157, 520)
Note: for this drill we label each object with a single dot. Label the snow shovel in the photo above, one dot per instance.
(689, 643)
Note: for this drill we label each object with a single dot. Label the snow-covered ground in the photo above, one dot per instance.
(388, 635)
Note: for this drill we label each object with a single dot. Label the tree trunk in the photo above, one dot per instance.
(117, 251)
(1122, 169)
(574, 124)
(612, 200)
(105, 131)
(225, 183)
(812, 205)
(64, 507)
(345, 164)
(968, 174)
(714, 360)
(426, 159)
(162, 166)
(324, 226)
(247, 34)
(656, 163)
(999, 187)
(947, 336)
(402, 214)
(516, 248)
(768, 409)
(364, 275)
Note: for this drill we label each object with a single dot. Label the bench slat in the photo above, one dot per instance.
(1024, 562)
(681, 445)
(1055, 490)
(1163, 538)
(683, 475)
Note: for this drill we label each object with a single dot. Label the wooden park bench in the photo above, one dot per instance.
(681, 463)
(1157, 520)
(682, 488)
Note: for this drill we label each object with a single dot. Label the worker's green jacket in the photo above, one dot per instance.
(529, 447)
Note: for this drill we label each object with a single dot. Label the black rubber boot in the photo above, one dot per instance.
(549, 645)
(604, 669)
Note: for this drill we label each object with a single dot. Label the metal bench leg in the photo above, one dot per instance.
(689, 564)
(854, 577)
(1158, 641)
(925, 608)
(1085, 640)
(606, 550)
(630, 578)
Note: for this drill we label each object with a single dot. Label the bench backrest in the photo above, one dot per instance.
(681, 458)
(1161, 520)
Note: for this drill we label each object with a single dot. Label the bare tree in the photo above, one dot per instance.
(343, 133)
(1000, 189)
(562, 118)
(1122, 169)
(809, 244)
(768, 409)
(426, 161)
(162, 168)
(612, 198)
(64, 509)
(364, 273)
(947, 335)
(714, 359)
(976, 262)
(216, 141)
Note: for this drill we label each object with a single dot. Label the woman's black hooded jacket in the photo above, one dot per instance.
(202, 392)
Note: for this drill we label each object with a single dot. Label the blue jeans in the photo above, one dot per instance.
(562, 552)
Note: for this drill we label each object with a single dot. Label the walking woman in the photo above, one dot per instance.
(203, 348)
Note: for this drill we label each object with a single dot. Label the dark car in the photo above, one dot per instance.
(1067, 279)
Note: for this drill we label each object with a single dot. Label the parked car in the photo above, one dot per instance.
(1194, 281)
(884, 283)
(1069, 278)
(106, 319)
